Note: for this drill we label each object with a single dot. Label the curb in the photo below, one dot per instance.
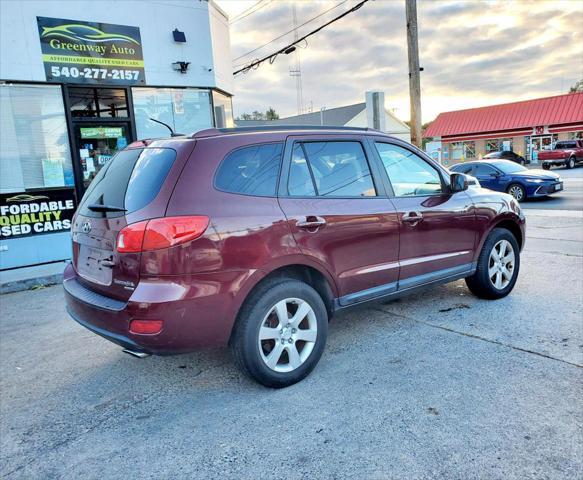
(30, 283)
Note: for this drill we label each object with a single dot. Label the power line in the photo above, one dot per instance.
(251, 10)
(289, 31)
(291, 47)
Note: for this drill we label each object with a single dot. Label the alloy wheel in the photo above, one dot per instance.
(501, 264)
(517, 192)
(287, 335)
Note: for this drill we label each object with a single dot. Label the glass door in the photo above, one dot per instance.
(96, 143)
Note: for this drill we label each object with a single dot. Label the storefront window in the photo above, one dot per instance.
(470, 149)
(492, 145)
(185, 110)
(576, 135)
(98, 102)
(506, 144)
(457, 151)
(223, 108)
(34, 145)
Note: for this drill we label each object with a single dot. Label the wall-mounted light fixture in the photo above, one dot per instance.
(179, 36)
(181, 67)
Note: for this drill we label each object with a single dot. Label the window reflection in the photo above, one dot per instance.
(98, 102)
(185, 110)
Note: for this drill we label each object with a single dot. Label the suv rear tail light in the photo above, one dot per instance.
(146, 327)
(160, 233)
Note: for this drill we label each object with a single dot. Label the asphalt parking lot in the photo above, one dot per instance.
(438, 385)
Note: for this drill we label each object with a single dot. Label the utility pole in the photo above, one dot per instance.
(414, 71)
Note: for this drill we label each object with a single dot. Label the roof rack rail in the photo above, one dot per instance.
(212, 132)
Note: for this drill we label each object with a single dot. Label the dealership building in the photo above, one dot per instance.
(80, 81)
(523, 127)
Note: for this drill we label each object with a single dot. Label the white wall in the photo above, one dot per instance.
(393, 126)
(20, 52)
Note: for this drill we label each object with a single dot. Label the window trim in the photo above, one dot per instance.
(438, 168)
(293, 140)
(241, 147)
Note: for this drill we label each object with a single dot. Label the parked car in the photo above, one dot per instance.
(506, 155)
(568, 153)
(255, 237)
(506, 176)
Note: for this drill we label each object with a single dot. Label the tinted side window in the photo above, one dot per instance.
(130, 180)
(409, 174)
(339, 169)
(251, 170)
(462, 168)
(483, 170)
(300, 182)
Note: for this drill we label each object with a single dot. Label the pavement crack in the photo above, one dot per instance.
(553, 239)
(484, 339)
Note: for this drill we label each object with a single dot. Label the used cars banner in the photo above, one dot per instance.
(36, 213)
(91, 53)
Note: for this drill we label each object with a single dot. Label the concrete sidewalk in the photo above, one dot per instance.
(26, 278)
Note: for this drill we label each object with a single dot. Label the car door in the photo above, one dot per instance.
(489, 177)
(437, 228)
(339, 214)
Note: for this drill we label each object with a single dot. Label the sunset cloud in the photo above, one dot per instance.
(474, 53)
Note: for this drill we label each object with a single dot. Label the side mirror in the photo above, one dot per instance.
(458, 182)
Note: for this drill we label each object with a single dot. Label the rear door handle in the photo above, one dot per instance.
(412, 218)
(311, 222)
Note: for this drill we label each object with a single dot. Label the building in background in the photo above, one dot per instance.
(523, 127)
(81, 80)
(371, 113)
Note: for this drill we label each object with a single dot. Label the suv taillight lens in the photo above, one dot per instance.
(160, 233)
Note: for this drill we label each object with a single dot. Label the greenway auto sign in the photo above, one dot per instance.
(92, 53)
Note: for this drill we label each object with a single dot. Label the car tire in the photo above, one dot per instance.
(517, 191)
(570, 163)
(546, 166)
(484, 283)
(288, 349)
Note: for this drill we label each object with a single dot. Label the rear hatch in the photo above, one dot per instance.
(134, 186)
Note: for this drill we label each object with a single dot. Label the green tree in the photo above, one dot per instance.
(271, 114)
(578, 87)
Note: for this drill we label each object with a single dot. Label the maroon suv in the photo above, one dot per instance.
(256, 237)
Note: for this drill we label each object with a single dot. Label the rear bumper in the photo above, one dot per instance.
(120, 340)
(553, 161)
(198, 311)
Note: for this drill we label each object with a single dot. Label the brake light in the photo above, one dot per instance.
(146, 327)
(160, 233)
(131, 238)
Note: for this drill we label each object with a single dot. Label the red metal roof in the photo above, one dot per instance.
(557, 110)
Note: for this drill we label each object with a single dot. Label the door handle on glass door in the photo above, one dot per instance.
(311, 221)
(413, 218)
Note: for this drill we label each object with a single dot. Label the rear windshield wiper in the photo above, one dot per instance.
(96, 207)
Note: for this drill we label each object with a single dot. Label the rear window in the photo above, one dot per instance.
(130, 181)
(560, 145)
(251, 170)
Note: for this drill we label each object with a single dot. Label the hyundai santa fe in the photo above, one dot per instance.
(254, 238)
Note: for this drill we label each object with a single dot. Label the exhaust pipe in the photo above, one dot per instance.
(133, 353)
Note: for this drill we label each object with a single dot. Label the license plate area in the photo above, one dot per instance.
(89, 265)
(558, 186)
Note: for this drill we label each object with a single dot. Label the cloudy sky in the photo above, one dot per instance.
(475, 53)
